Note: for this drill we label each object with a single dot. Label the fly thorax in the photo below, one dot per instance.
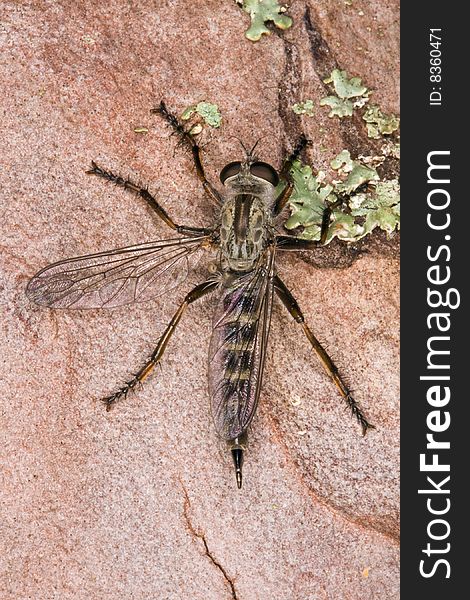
(243, 230)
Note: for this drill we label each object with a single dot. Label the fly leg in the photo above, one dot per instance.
(284, 196)
(189, 140)
(291, 304)
(147, 196)
(198, 292)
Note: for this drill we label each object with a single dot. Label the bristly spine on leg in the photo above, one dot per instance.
(172, 120)
(292, 306)
(129, 386)
(302, 143)
(357, 412)
(187, 138)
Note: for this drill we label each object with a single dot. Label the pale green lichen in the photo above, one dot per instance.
(188, 112)
(304, 108)
(350, 94)
(358, 173)
(343, 162)
(378, 123)
(381, 208)
(391, 149)
(361, 211)
(344, 87)
(208, 112)
(196, 129)
(339, 107)
(308, 198)
(261, 12)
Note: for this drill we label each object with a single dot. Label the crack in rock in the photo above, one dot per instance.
(337, 254)
(352, 130)
(354, 136)
(337, 510)
(321, 53)
(197, 534)
(289, 91)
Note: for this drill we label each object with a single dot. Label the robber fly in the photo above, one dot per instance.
(245, 282)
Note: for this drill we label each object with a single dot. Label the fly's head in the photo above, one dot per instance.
(250, 176)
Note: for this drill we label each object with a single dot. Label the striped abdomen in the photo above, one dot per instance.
(237, 350)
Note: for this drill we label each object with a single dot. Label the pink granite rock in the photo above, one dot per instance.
(141, 502)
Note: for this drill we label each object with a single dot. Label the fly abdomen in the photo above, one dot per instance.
(237, 364)
(235, 360)
(237, 353)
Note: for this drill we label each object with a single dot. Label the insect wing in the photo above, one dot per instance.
(238, 349)
(106, 279)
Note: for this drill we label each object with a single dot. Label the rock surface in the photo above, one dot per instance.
(140, 502)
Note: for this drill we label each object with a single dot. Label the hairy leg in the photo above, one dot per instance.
(284, 196)
(147, 196)
(198, 292)
(189, 140)
(292, 306)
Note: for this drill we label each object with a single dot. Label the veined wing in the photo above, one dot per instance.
(238, 348)
(106, 279)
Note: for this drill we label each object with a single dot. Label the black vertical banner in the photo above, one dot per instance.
(435, 320)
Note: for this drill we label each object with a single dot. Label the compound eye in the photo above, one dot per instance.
(265, 171)
(230, 170)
